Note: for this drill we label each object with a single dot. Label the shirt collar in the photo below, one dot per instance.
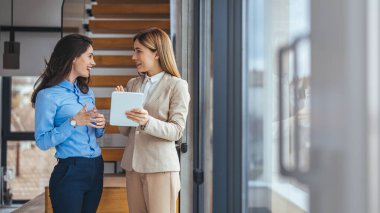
(156, 77)
(68, 85)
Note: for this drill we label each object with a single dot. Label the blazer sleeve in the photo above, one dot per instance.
(172, 129)
(124, 130)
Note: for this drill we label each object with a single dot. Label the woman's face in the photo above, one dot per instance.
(82, 65)
(145, 59)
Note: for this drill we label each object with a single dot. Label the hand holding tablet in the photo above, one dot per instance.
(121, 102)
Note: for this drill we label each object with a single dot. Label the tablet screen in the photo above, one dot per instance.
(122, 102)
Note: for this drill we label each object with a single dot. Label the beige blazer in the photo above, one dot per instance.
(152, 149)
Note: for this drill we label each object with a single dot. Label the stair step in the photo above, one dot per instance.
(112, 154)
(103, 103)
(126, 26)
(110, 80)
(132, 1)
(131, 11)
(114, 61)
(112, 43)
(112, 129)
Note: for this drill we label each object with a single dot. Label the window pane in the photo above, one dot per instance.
(270, 25)
(28, 169)
(22, 112)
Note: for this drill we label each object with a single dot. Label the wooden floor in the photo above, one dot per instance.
(37, 205)
(114, 198)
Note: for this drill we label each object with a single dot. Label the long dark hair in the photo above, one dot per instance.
(60, 63)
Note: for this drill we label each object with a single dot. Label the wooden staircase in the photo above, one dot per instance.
(113, 43)
(132, 10)
(125, 26)
(114, 61)
(112, 26)
(122, 18)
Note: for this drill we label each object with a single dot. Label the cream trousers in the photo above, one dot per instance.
(152, 192)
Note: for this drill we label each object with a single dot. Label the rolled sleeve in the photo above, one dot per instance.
(99, 132)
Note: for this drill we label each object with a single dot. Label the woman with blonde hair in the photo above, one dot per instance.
(150, 156)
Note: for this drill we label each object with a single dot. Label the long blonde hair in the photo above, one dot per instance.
(156, 39)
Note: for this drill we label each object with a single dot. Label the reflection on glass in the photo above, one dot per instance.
(270, 25)
(22, 112)
(255, 59)
(28, 169)
(299, 83)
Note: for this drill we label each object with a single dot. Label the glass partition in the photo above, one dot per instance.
(272, 26)
(22, 112)
(28, 169)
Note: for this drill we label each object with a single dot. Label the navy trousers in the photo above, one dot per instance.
(76, 185)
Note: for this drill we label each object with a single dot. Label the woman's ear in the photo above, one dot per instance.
(75, 60)
(156, 56)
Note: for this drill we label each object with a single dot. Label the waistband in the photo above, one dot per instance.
(74, 160)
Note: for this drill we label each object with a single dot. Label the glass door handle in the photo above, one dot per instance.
(296, 171)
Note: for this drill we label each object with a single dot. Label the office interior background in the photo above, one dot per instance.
(284, 116)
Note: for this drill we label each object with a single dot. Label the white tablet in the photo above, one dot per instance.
(122, 102)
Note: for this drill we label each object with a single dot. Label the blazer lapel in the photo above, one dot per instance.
(159, 89)
(136, 86)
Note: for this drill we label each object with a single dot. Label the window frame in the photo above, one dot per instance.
(229, 184)
(7, 135)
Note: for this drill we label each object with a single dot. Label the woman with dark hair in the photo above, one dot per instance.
(150, 156)
(66, 119)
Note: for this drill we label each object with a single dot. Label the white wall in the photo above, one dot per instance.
(34, 47)
(31, 12)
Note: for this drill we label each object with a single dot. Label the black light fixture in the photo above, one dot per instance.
(11, 55)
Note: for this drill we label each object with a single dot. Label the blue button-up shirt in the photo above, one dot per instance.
(54, 107)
